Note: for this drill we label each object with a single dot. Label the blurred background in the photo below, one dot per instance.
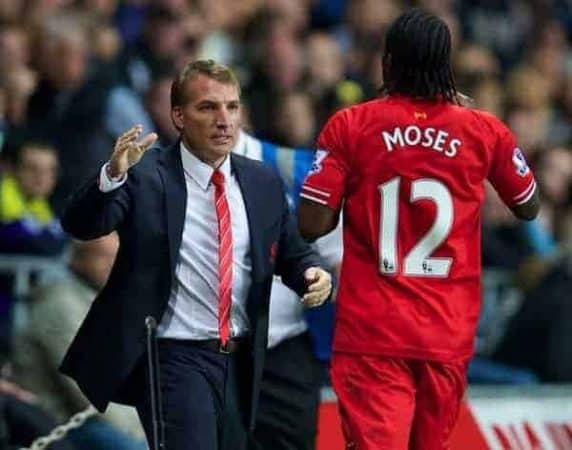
(76, 73)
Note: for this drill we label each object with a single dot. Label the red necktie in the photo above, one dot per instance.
(224, 256)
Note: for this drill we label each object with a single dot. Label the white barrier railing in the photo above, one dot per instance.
(24, 268)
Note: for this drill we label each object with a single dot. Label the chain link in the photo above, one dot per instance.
(61, 431)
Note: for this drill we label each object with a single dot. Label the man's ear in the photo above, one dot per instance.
(177, 117)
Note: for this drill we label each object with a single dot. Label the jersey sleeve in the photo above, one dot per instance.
(326, 179)
(509, 173)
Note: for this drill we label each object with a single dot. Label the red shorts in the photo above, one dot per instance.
(397, 404)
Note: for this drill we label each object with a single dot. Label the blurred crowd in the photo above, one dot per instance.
(77, 73)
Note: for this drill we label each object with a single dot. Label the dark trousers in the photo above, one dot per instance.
(199, 389)
(289, 399)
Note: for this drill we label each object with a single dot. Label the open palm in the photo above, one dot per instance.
(128, 151)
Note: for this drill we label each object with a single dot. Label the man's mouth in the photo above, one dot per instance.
(222, 138)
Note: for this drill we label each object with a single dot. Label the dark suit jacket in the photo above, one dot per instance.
(148, 212)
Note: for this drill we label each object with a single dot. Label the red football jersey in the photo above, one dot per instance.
(409, 176)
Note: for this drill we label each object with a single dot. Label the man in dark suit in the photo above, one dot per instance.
(201, 233)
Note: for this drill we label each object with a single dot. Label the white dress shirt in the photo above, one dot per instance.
(192, 311)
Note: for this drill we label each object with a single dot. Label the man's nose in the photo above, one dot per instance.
(223, 118)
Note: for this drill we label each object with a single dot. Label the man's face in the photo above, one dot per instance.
(65, 63)
(210, 119)
(37, 171)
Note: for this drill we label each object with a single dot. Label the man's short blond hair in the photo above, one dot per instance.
(192, 70)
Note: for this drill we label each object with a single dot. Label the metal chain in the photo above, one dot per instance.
(60, 432)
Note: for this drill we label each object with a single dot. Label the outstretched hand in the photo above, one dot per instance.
(128, 151)
(319, 286)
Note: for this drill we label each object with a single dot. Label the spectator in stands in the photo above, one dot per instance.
(157, 102)
(554, 168)
(102, 8)
(105, 41)
(17, 80)
(487, 23)
(531, 112)
(488, 95)
(294, 121)
(327, 64)
(3, 123)
(14, 48)
(55, 313)
(10, 11)
(277, 68)
(222, 23)
(18, 83)
(22, 421)
(27, 223)
(36, 10)
(549, 52)
(538, 337)
(325, 81)
(161, 42)
(77, 105)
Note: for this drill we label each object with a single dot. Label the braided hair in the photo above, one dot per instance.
(417, 58)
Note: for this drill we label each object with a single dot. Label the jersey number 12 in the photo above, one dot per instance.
(418, 262)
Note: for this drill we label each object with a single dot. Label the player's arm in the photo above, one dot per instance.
(315, 220)
(324, 188)
(510, 175)
(529, 209)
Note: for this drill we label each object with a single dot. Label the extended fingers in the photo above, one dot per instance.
(148, 141)
(129, 137)
(128, 140)
(131, 134)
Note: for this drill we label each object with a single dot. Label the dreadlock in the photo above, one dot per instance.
(417, 58)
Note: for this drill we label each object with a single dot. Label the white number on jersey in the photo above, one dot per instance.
(418, 261)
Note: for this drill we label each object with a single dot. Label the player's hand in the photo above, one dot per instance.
(128, 151)
(319, 287)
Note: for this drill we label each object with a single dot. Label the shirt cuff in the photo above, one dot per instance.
(108, 184)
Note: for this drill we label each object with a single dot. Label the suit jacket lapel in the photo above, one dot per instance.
(252, 194)
(175, 191)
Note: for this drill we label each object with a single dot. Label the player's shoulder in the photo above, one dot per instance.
(484, 119)
(339, 117)
(368, 107)
(354, 114)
